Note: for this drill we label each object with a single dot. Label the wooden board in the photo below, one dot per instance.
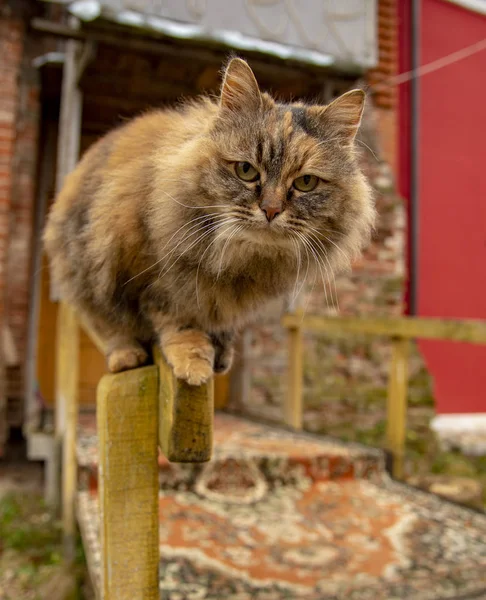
(186, 414)
(46, 336)
(473, 332)
(128, 476)
(92, 369)
(92, 361)
(67, 385)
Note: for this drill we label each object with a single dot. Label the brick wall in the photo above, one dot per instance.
(352, 369)
(345, 381)
(381, 79)
(11, 48)
(21, 224)
(19, 118)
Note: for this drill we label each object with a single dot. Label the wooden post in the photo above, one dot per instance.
(67, 382)
(33, 411)
(397, 404)
(186, 415)
(70, 117)
(293, 410)
(127, 413)
(240, 376)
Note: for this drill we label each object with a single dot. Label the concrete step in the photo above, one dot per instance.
(245, 453)
(278, 515)
(328, 540)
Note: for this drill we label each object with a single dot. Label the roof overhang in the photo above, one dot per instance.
(318, 32)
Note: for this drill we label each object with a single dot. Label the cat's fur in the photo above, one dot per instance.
(154, 236)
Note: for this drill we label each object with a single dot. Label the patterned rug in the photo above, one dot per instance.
(278, 515)
(242, 446)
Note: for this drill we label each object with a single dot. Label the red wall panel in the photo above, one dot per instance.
(452, 238)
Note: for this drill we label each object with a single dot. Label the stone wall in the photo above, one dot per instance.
(11, 48)
(380, 79)
(336, 369)
(345, 380)
(19, 120)
(22, 210)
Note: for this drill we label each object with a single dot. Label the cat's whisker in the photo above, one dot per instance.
(309, 295)
(298, 260)
(302, 238)
(224, 248)
(205, 229)
(328, 239)
(202, 218)
(296, 292)
(334, 299)
(200, 238)
(328, 141)
(305, 226)
(199, 228)
(366, 146)
(189, 206)
(316, 256)
(202, 256)
(242, 210)
(205, 217)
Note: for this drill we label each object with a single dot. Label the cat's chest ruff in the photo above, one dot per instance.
(234, 299)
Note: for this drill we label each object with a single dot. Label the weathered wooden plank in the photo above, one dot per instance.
(92, 334)
(240, 378)
(293, 401)
(397, 404)
(128, 474)
(221, 391)
(67, 383)
(69, 133)
(470, 331)
(186, 415)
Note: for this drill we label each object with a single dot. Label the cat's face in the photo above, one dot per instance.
(287, 172)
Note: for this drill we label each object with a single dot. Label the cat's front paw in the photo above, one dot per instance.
(195, 370)
(125, 358)
(190, 354)
(223, 361)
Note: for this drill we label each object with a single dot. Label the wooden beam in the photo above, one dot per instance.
(70, 116)
(473, 332)
(155, 42)
(240, 375)
(293, 409)
(67, 385)
(93, 336)
(128, 475)
(186, 414)
(69, 123)
(86, 55)
(397, 404)
(120, 39)
(47, 159)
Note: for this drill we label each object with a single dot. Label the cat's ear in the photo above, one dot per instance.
(343, 114)
(240, 89)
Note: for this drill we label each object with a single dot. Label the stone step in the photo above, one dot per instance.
(318, 539)
(248, 457)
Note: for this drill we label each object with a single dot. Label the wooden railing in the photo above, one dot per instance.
(400, 331)
(138, 411)
(142, 410)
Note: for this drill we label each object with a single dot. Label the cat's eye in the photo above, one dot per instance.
(246, 171)
(306, 183)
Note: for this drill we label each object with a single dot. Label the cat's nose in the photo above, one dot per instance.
(271, 212)
(272, 203)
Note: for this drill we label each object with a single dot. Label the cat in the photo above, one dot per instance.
(181, 225)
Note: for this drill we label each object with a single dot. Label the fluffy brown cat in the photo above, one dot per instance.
(180, 225)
